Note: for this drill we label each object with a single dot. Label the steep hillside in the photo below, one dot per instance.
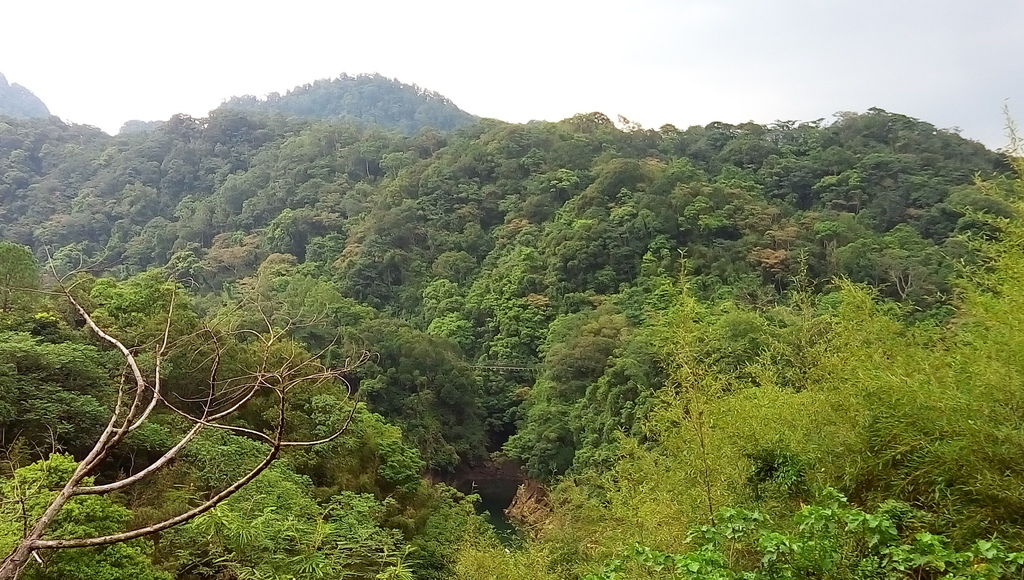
(725, 326)
(502, 238)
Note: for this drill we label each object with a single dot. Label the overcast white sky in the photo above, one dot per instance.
(952, 63)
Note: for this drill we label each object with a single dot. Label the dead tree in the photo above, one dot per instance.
(138, 397)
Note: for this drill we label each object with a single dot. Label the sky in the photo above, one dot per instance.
(952, 63)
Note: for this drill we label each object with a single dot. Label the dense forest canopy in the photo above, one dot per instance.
(137, 126)
(366, 98)
(782, 350)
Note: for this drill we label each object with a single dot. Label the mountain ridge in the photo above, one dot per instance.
(372, 98)
(19, 102)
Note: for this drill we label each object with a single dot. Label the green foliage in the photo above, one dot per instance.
(847, 318)
(368, 98)
(768, 411)
(24, 497)
(419, 380)
(580, 348)
(19, 276)
(52, 393)
(359, 508)
(450, 521)
(828, 539)
(373, 458)
(274, 528)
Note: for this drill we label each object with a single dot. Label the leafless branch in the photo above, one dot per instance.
(224, 398)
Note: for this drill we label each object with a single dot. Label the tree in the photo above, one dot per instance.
(29, 492)
(52, 392)
(271, 370)
(18, 271)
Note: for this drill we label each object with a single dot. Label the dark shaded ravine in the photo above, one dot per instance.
(496, 484)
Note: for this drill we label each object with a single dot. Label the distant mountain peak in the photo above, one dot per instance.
(19, 102)
(138, 127)
(371, 98)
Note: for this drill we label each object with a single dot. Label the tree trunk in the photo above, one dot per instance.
(15, 563)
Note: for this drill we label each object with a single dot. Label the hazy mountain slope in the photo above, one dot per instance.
(19, 102)
(136, 126)
(369, 98)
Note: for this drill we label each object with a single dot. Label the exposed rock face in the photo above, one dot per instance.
(531, 506)
(19, 102)
(503, 485)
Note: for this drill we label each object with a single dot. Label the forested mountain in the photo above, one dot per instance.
(368, 98)
(493, 237)
(18, 102)
(136, 126)
(724, 326)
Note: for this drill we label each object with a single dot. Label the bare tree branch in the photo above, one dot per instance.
(156, 377)
(223, 399)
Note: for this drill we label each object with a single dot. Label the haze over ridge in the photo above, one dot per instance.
(657, 62)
